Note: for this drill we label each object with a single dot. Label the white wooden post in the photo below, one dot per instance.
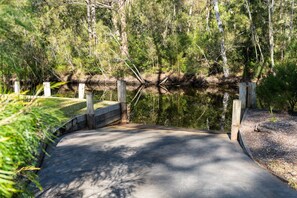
(242, 94)
(47, 89)
(17, 87)
(252, 97)
(121, 86)
(235, 119)
(90, 111)
(81, 90)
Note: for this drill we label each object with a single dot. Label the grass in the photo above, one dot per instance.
(70, 107)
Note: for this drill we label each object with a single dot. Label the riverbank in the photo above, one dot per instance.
(272, 141)
(166, 79)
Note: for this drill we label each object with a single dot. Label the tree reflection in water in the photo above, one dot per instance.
(189, 108)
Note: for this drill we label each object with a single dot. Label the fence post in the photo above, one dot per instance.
(81, 90)
(47, 89)
(90, 111)
(252, 98)
(235, 119)
(121, 86)
(242, 94)
(17, 87)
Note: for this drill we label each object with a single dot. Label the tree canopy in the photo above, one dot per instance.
(41, 39)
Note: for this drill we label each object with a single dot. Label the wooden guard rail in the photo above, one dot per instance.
(247, 99)
(93, 118)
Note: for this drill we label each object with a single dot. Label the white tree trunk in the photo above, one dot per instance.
(225, 107)
(221, 29)
(88, 3)
(271, 38)
(93, 21)
(291, 19)
(208, 4)
(123, 22)
(254, 34)
(115, 23)
(190, 15)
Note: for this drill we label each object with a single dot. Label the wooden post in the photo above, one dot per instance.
(121, 86)
(90, 111)
(81, 90)
(235, 119)
(252, 98)
(242, 94)
(47, 89)
(17, 87)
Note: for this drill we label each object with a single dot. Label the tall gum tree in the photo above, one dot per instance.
(270, 28)
(221, 30)
(123, 32)
(255, 37)
(91, 20)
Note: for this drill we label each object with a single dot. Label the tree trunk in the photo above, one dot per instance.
(225, 108)
(190, 16)
(223, 49)
(207, 14)
(88, 2)
(271, 38)
(123, 22)
(291, 19)
(255, 37)
(93, 21)
(282, 14)
(115, 24)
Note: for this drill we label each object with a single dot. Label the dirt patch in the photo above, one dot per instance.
(272, 140)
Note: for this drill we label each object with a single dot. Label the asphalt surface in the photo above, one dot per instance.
(152, 162)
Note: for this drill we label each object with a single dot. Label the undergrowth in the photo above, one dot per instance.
(24, 125)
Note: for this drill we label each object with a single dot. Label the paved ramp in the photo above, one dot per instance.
(135, 161)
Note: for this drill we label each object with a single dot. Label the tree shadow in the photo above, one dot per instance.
(276, 139)
(124, 162)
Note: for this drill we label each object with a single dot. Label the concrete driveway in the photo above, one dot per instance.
(153, 162)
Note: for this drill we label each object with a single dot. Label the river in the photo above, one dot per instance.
(207, 109)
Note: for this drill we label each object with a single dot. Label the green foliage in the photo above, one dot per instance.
(21, 48)
(280, 91)
(44, 39)
(24, 125)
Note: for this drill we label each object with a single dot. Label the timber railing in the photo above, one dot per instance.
(93, 118)
(247, 99)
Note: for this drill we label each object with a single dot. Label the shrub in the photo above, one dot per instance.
(24, 124)
(279, 91)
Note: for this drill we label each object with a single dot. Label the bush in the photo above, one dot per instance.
(279, 91)
(24, 124)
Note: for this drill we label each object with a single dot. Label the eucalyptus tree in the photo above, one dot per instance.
(291, 19)
(22, 53)
(270, 5)
(254, 34)
(221, 29)
(41, 39)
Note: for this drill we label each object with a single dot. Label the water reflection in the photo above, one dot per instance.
(208, 109)
(225, 110)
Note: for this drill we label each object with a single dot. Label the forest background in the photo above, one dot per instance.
(48, 40)
(44, 39)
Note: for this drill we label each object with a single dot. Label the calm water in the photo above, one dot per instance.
(189, 108)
